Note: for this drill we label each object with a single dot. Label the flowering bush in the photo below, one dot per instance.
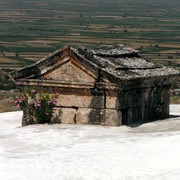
(38, 105)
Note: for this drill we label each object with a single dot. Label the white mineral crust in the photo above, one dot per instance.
(80, 152)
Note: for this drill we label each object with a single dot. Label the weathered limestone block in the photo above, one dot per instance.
(158, 96)
(56, 115)
(111, 100)
(106, 117)
(165, 95)
(94, 99)
(130, 98)
(155, 96)
(159, 111)
(112, 118)
(82, 116)
(97, 99)
(142, 97)
(137, 115)
(146, 96)
(64, 115)
(27, 118)
(131, 115)
(165, 111)
(145, 114)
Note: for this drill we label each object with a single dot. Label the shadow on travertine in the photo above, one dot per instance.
(140, 123)
(166, 125)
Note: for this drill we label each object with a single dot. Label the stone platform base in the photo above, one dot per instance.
(105, 117)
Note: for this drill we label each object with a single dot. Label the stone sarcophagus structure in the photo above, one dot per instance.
(107, 85)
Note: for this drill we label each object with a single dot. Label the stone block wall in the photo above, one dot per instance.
(109, 107)
(86, 107)
(105, 117)
(143, 105)
(82, 106)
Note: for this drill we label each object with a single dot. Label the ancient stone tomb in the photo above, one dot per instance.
(107, 85)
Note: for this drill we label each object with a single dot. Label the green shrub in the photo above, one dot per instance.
(39, 105)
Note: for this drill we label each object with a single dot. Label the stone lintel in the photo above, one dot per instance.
(66, 84)
(110, 86)
(50, 83)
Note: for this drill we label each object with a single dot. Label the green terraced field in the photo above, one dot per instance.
(30, 29)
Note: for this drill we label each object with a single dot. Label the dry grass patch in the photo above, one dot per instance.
(172, 45)
(40, 42)
(7, 105)
(7, 101)
(33, 56)
(10, 54)
(175, 99)
(7, 60)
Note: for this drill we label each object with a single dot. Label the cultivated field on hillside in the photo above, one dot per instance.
(30, 29)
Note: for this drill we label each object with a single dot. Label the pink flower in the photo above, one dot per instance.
(20, 100)
(17, 106)
(54, 101)
(33, 91)
(37, 104)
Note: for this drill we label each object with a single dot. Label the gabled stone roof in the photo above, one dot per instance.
(116, 63)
